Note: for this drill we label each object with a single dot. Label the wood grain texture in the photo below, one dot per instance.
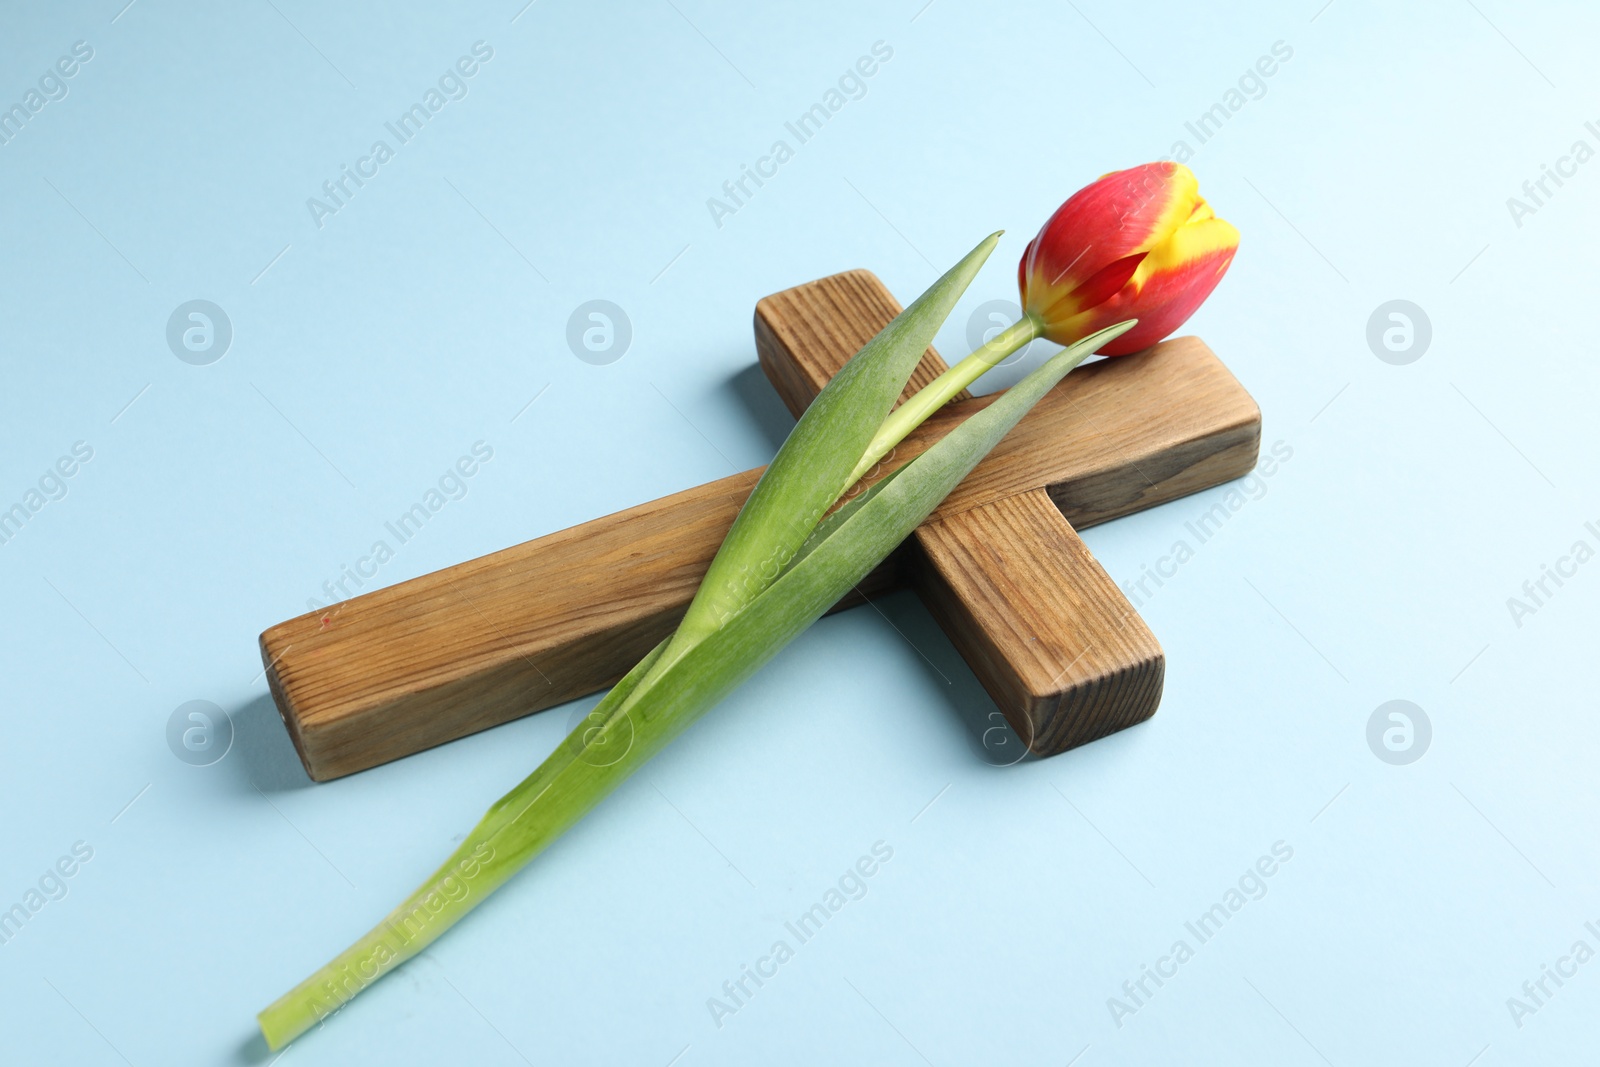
(404, 668)
(444, 655)
(1045, 629)
(401, 669)
(805, 334)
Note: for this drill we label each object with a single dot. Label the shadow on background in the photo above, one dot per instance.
(253, 1051)
(966, 705)
(262, 753)
(758, 400)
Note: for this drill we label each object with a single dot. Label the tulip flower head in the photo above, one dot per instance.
(1124, 262)
(1140, 243)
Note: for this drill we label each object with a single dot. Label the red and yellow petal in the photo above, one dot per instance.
(1144, 244)
(1124, 214)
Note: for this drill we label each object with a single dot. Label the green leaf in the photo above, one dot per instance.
(826, 527)
(817, 459)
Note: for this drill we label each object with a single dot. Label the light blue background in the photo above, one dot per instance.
(432, 308)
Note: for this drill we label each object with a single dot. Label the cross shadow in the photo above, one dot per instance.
(758, 400)
(970, 711)
(262, 755)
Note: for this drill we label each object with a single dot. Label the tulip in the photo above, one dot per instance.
(1138, 243)
(1137, 246)
(1130, 257)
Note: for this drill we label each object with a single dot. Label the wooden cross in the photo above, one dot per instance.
(999, 564)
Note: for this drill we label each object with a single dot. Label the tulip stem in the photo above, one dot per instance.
(937, 393)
